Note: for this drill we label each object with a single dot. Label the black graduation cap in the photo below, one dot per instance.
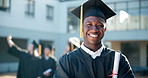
(92, 8)
(49, 47)
(35, 44)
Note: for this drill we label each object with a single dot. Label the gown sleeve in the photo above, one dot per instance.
(16, 51)
(125, 70)
(53, 67)
(63, 69)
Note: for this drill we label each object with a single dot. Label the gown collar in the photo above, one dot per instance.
(92, 53)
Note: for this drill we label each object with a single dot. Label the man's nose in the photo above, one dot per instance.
(95, 28)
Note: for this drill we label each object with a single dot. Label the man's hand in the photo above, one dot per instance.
(47, 74)
(9, 40)
(38, 77)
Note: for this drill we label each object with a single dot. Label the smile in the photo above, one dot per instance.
(92, 35)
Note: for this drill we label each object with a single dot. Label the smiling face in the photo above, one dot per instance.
(31, 49)
(47, 51)
(93, 30)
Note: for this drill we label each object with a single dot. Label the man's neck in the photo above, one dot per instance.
(93, 47)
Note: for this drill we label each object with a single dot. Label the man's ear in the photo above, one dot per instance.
(105, 29)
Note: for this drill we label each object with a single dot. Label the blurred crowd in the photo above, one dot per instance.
(33, 63)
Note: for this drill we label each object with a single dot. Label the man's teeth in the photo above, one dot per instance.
(93, 35)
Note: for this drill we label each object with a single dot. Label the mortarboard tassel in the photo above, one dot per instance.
(81, 20)
(52, 51)
(40, 49)
(72, 47)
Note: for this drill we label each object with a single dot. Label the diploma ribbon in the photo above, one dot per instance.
(113, 73)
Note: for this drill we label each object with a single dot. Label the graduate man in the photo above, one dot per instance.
(29, 64)
(48, 63)
(93, 59)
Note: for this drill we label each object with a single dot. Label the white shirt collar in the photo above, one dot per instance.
(46, 57)
(92, 53)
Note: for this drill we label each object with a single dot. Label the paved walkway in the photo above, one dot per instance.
(8, 75)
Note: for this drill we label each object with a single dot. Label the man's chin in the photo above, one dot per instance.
(94, 43)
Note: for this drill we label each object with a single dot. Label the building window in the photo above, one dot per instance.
(131, 15)
(5, 5)
(30, 8)
(5, 57)
(49, 12)
(73, 22)
(132, 51)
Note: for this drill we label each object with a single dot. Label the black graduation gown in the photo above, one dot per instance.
(79, 64)
(29, 65)
(46, 64)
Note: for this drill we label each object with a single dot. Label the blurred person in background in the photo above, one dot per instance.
(29, 64)
(48, 62)
(72, 44)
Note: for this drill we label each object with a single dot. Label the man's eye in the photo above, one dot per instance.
(101, 26)
(88, 25)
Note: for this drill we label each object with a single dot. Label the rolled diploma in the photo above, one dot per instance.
(47, 71)
(116, 65)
